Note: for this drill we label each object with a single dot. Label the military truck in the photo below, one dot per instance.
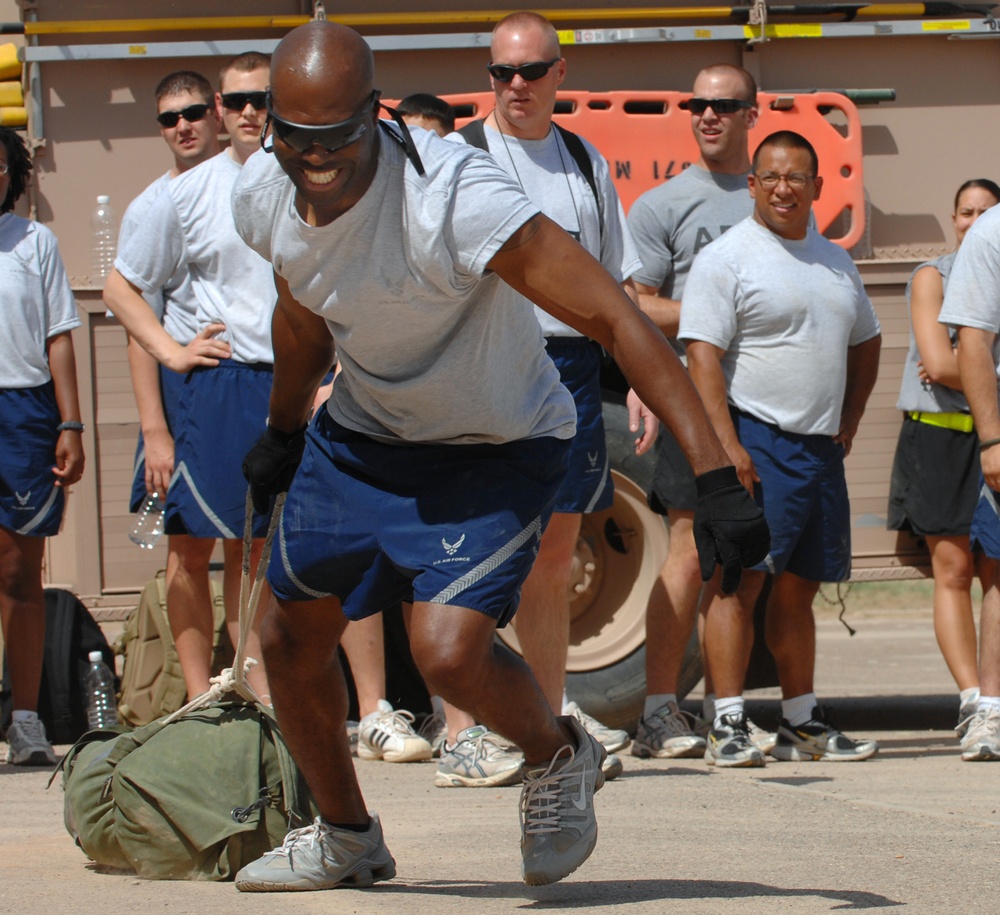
(901, 99)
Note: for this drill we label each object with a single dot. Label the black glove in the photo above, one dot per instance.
(270, 465)
(729, 527)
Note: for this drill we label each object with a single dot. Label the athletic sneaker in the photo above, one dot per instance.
(730, 746)
(27, 744)
(478, 760)
(558, 826)
(389, 735)
(819, 739)
(763, 739)
(320, 857)
(612, 767)
(612, 739)
(434, 729)
(352, 736)
(966, 712)
(667, 734)
(982, 739)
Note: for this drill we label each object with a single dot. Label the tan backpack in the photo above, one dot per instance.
(152, 683)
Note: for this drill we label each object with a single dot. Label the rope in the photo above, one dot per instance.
(233, 679)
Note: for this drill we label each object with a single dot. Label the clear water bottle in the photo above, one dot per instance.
(103, 235)
(148, 525)
(102, 712)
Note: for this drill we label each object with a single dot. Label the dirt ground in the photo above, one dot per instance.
(904, 829)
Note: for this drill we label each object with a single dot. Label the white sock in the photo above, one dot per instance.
(968, 696)
(989, 703)
(708, 707)
(565, 704)
(799, 709)
(656, 701)
(22, 715)
(731, 705)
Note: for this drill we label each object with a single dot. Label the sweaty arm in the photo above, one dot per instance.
(862, 371)
(937, 355)
(979, 382)
(303, 354)
(545, 265)
(663, 312)
(126, 303)
(705, 366)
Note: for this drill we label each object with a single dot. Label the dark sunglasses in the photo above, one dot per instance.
(330, 136)
(190, 114)
(503, 73)
(718, 105)
(237, 101)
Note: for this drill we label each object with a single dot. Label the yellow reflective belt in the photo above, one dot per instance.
(958, 422)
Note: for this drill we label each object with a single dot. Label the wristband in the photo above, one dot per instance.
(716, 479)
(989, 443)
(71, 425)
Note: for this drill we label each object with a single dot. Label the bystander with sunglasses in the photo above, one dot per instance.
(220, 359)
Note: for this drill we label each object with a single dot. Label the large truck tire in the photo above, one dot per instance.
(619, 556)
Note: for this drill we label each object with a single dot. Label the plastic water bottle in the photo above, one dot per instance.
(148, 524)
(102, 712)
(103, 232)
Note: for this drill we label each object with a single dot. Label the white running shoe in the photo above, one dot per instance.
(668, 733)
(478, 760)
(388, 734)
(612, 739)
(558, 826)
(981, 742)
(320, 857)
(27, 744)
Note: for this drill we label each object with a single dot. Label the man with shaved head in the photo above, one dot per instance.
(431, 471)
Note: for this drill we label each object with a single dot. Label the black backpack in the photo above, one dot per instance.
(71, 633)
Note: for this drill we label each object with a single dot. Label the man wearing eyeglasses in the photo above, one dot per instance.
(783, 346)
(221, 362)
(431, 471)
(525, 71)
(670, 224)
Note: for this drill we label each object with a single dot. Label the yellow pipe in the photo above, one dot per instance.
(82, 26)
(355, 20)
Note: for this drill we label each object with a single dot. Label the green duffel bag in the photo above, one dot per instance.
(194, 799)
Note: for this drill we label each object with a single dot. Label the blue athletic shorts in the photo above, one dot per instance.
(374, 523)
(225, 411)
(587, 486)
(171, 386)
(803, 491)
(30, 502)
(985, 533)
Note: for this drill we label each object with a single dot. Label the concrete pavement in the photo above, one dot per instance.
(914, 827)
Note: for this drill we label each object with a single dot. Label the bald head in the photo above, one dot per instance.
(324, 68)
(526, 22)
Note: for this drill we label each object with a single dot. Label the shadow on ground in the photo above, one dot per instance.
(593, 894)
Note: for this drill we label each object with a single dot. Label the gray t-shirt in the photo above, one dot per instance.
(672, 222)
(430, 349)
(551, 178)
(36, 301)
(785, 312)
(191, 223)
(175, 304)
(973, 295)
(915, 394)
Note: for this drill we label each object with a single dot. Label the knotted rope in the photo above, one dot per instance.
(233, 679)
